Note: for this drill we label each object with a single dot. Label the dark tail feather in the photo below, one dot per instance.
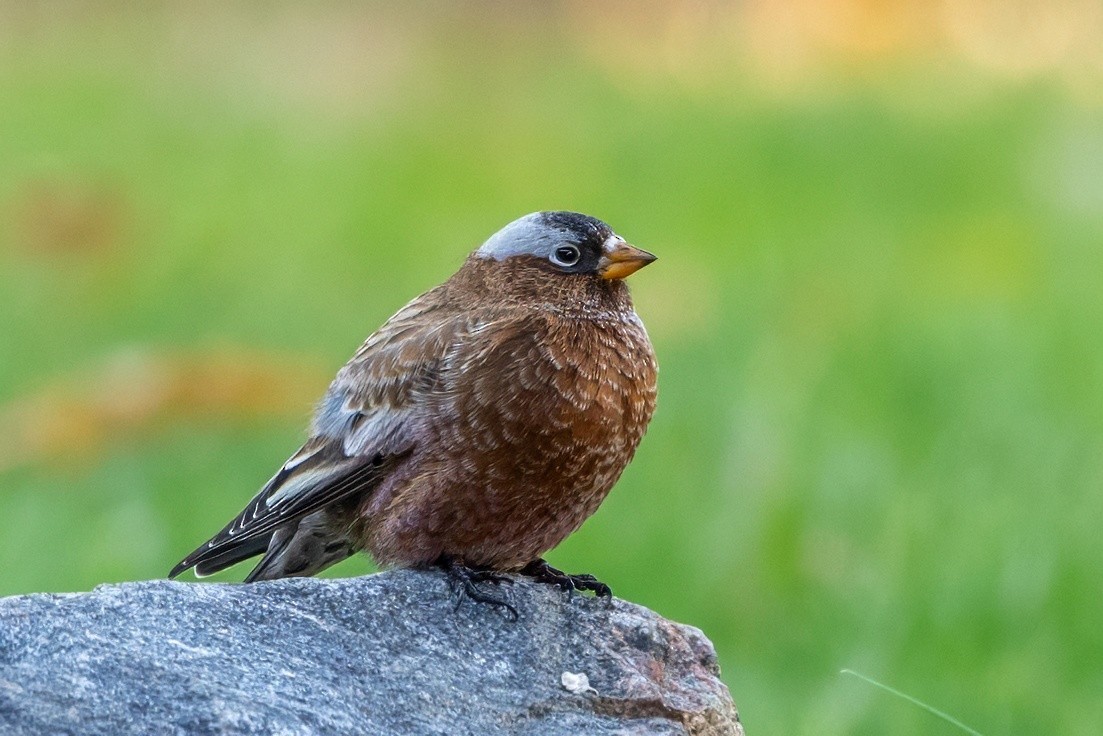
(209, 560)
(262, 571)
(249, 548)
(306, 548)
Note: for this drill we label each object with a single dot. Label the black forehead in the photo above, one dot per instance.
(583, 228)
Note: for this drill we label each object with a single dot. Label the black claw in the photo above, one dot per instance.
(464, 582)
(541, 571)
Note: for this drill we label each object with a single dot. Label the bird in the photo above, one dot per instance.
(482, 424)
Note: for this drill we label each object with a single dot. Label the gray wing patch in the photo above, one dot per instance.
(368, 421)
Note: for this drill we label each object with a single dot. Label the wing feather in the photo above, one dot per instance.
(368, 420)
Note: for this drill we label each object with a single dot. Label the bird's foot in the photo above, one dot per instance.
(464, 581)
(541, 571)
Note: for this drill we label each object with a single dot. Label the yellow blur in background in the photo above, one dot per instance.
(879, 443)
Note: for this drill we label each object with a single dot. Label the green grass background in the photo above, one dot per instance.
(878, 311)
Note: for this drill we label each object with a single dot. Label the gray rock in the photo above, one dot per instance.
(383, 654)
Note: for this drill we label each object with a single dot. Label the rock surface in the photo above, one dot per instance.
(383, 654)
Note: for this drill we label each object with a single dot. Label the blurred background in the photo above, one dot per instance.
(878, 309)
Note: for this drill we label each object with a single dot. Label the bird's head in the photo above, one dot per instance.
(567, 242)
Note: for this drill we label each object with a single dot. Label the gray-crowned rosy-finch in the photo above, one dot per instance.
(477, 428)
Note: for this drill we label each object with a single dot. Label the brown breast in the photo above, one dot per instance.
(546, 408)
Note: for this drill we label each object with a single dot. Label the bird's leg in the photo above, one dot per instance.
(540, 570)
(464, 581)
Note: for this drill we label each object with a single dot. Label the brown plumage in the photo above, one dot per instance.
(477, 428)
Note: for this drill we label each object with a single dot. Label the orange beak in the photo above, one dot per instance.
(622, 260)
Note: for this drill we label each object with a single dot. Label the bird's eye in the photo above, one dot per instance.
(566, 255)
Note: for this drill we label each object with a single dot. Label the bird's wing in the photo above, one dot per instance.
(367, 421)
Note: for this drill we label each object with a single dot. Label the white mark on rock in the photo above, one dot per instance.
(201, 651)
(576, 683)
